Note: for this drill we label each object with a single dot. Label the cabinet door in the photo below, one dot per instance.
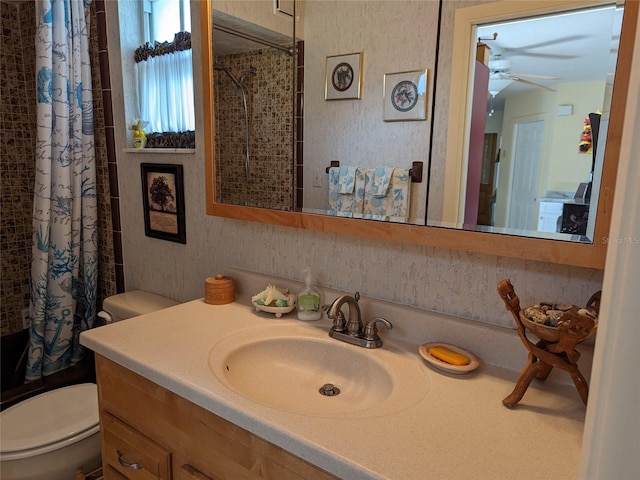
(131, 454)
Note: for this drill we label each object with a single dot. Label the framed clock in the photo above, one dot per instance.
(405, 96)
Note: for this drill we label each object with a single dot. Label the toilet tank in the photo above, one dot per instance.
(131, 304)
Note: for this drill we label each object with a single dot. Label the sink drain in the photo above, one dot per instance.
(329, 390)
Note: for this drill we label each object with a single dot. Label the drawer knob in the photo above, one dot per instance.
(134, 466)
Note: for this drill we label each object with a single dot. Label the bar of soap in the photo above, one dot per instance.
(449, 356)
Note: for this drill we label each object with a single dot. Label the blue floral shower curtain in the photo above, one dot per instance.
(64, 264)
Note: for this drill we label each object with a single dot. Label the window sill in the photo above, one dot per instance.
(159, 150)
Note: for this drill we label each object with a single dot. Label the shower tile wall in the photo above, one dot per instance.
(109, 268)
(17, 142)
(17, 164)
(271, 131)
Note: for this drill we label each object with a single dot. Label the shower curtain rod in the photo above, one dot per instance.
(246, 36)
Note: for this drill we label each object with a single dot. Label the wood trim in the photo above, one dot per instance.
(207, 100)
(616, 123)
(581, 255)
(551, 251)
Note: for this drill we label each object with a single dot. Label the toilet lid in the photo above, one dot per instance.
(49, 418)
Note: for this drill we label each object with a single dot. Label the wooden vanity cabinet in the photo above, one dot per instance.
(149, 432)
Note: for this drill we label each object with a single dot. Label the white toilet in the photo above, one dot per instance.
(54, 434)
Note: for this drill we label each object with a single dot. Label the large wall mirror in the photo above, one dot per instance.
(357, 133)
(528, 159)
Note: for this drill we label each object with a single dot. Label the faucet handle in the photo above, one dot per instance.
(339, 322)
(371, 330)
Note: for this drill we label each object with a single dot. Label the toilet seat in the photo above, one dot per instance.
(49, 421)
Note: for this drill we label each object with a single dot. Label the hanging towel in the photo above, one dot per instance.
(347, 179)
(361, 180)
(346, 204)
(392, 207)
(381, 180)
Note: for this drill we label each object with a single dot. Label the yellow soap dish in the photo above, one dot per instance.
(474, 362)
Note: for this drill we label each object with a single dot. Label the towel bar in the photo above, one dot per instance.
(332, 164)
(415, 172)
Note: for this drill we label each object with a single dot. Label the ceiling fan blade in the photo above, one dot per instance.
(558, 56)
(524, 52)
(531, 75)
(534, 84)
(548, 43)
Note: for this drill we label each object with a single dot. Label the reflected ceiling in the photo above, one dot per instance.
(567, 46)
(227, 43)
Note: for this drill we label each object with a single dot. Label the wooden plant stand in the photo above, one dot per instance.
(556, 347)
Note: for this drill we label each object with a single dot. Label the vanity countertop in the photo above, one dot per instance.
(458, 429)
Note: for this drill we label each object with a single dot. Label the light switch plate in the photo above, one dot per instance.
(317, 178)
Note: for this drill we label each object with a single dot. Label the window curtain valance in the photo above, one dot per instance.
(181, 42)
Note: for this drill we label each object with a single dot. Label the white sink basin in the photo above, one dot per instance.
(285, 366)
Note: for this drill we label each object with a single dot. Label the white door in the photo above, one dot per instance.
(524, 183)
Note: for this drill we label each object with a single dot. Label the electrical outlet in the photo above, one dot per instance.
(317, 178)
(26, 322)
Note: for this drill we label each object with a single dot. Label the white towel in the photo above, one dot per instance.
(394, 206)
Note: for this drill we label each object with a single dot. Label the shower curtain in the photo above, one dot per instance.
(64, 256)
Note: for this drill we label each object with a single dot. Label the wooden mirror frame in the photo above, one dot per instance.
(552, 251)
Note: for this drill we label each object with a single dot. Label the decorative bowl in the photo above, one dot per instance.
(546, 332)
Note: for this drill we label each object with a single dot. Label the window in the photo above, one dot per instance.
(164, 76)
(164, 18)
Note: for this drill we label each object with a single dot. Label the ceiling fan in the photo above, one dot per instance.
(501, 76)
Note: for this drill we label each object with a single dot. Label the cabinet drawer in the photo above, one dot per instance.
(111, 473)
(132, 454)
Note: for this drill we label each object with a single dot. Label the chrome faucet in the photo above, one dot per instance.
(353, 331)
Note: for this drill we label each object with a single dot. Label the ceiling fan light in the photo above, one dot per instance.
(499, 65)
(496, 85)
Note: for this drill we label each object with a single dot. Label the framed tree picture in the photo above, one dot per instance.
(343, 77)
(163, 200)
(405, 96)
